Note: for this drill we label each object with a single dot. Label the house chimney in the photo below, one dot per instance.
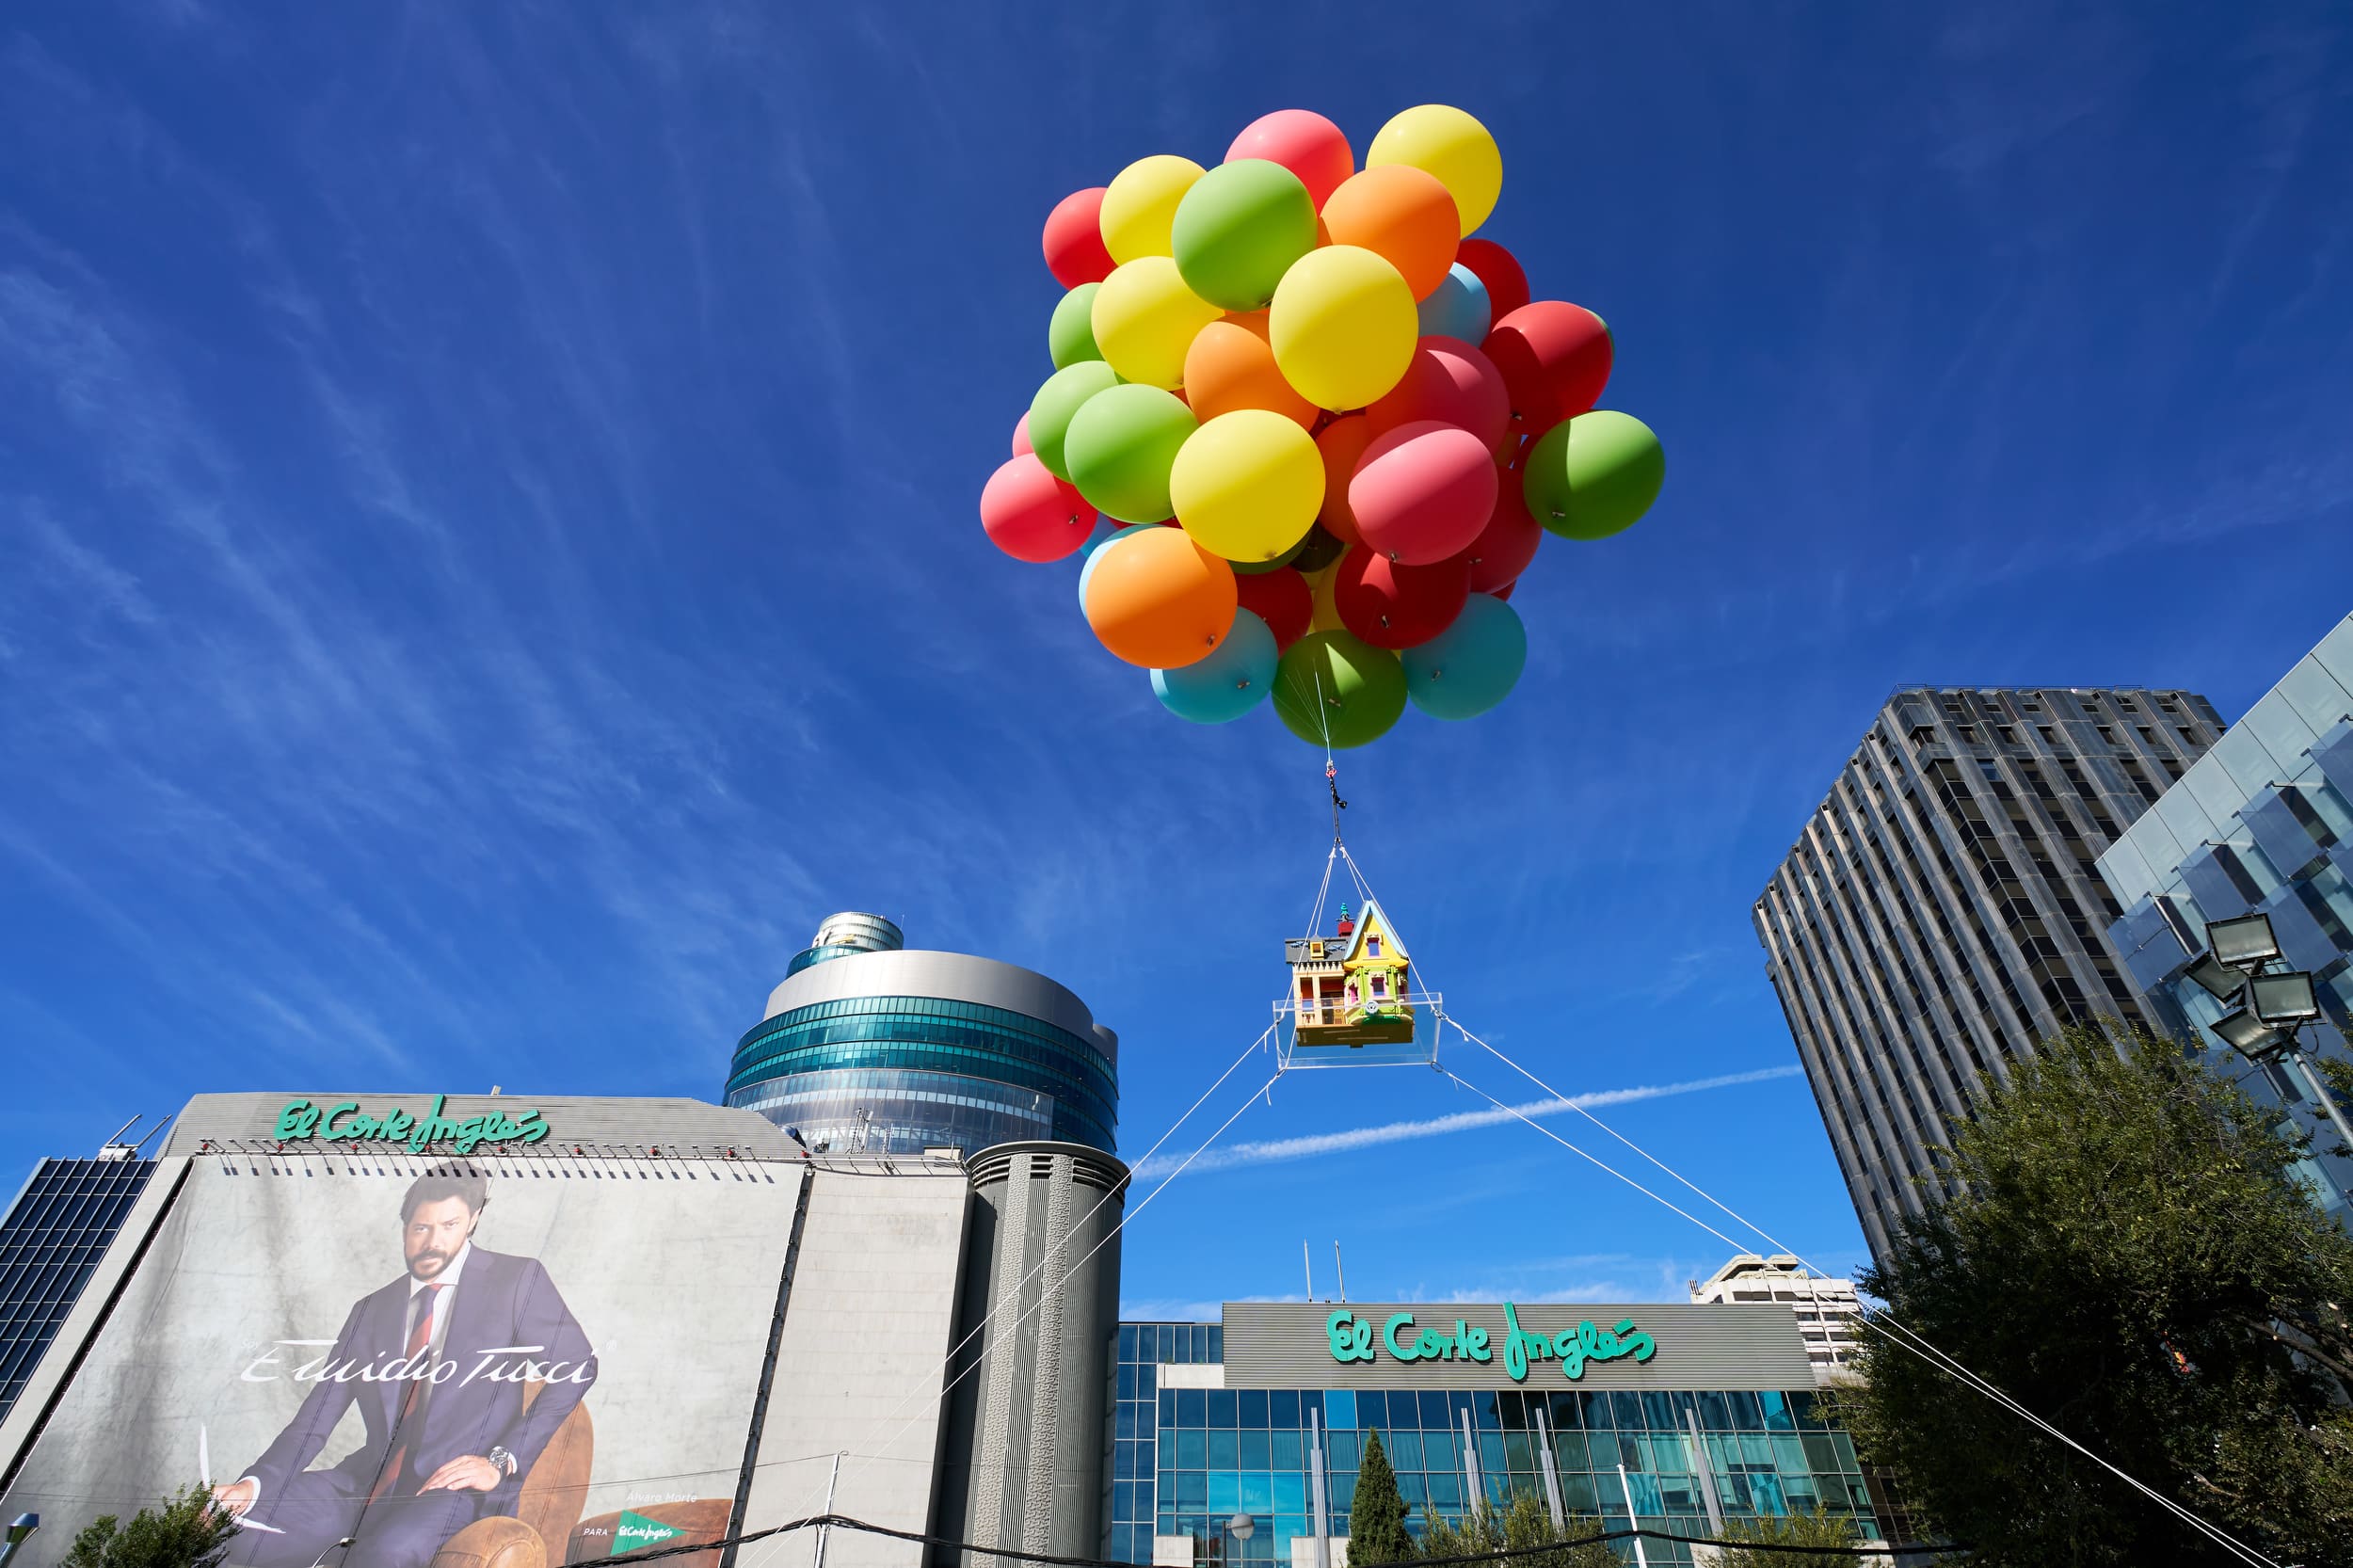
(1347, 925)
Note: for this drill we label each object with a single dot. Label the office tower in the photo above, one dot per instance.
(870, 1047)
(1943, 909)
(2262, 823)
(1828, 1313)
(59, 1226)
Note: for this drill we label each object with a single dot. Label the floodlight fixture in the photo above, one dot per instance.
(2216, 978)
(2283, 998)
(2248, 1035)
(21, 1529)
(2245, 941)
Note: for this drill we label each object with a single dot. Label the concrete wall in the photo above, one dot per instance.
(1025, 1467)
(860, 1366)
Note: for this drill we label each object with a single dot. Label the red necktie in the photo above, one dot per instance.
(420, 1340)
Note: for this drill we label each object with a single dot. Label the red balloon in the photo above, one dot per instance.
(1507, 543)
(1390, 605)
(1506, 279)
(1423, 491)
(1504, 592)
(1450, 381)
(1555, 360)
(1030, 515)
(1301, 141)
(1074, 239)
(1021, 435)
(1281, 598)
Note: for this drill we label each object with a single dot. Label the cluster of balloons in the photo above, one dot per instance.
(1307, 431)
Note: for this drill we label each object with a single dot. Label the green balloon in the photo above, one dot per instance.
(1239, 230)
(1593, 475)
(1121, 445)
(1071, 336)
(1051, 409)
(1334, 688)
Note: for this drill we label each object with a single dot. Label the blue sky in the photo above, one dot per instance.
(490, 551)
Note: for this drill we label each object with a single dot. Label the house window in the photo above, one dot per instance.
(1372, 947)
(1380, 985)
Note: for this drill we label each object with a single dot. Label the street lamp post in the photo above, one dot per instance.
(2240, 951)
(21, 1529)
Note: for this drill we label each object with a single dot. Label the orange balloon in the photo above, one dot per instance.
(1158, 600)
(1230, 365)
(1402, 215)
(1342, 441)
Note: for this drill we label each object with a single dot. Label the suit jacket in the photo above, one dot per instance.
(503, 1300)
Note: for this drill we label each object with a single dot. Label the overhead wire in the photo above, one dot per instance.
(1885, 1322)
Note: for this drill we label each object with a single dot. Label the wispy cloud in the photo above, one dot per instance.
(1271, 1151)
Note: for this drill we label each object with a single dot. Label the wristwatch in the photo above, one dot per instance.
(505, 1461)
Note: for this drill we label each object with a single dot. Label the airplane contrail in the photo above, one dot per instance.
(1272, 1150)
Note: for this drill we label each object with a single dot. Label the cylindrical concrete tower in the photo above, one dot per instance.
(1023, 1467)
(868, 1048)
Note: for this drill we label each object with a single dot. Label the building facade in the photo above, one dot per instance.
(870, 1047)
(1239, 1440)
(1943, 909)
(1830, 1317)
(51, 1241)
(2263, 823)
(673, 1326)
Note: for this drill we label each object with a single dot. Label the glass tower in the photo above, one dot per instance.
(2262, 822)
(870, 1047)
(1943, 909)
(56, 1232)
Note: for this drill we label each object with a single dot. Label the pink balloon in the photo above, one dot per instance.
(1030, 515)
(1450, 381)
(1073, 240)
(1423, 491)
(1021, 435)
(1301, 141)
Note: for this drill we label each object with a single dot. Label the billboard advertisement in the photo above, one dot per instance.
(444, 1361)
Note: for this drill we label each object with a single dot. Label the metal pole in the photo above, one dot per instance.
(1641, 1558)
(2320, 1091)
(1545, 1466)
(1474, 1489)
(1707, 1475)
(1316, 1495)
(824, 1531)
(1307, 1261)
(1340, 1269)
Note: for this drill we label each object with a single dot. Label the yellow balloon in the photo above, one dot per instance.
(1449, 144)
(1141, 204)
(1247, 484)
(1327, 612)
(1145, 318)
(1343, 326)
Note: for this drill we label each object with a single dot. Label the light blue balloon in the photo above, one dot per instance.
(1228, 683)
(1457, 308)
(1105, 532)
(1471, 665)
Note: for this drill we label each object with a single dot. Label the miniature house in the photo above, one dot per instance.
(1351, 987)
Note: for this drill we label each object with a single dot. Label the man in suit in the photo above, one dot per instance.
(437, 1363)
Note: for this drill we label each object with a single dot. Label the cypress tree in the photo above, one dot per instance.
(1377, 1517)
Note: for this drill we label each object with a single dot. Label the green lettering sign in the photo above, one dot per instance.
(300, 1122)
(1576, 1349)
(635, 1531)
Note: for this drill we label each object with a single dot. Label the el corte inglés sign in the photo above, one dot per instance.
(346, 1122)
(1351, 1339)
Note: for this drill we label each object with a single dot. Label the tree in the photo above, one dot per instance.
(1796, 1530)
(1376, 1519)
(187, 1531)
(2129, 1256)
(1526, 1522)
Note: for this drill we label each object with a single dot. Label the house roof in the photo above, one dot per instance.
(1296, 948)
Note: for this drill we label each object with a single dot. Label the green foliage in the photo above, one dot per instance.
(1796, 1530)
(1377, 1516)
(2130, 1257)
(187, 1531)
(1526, 1524)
